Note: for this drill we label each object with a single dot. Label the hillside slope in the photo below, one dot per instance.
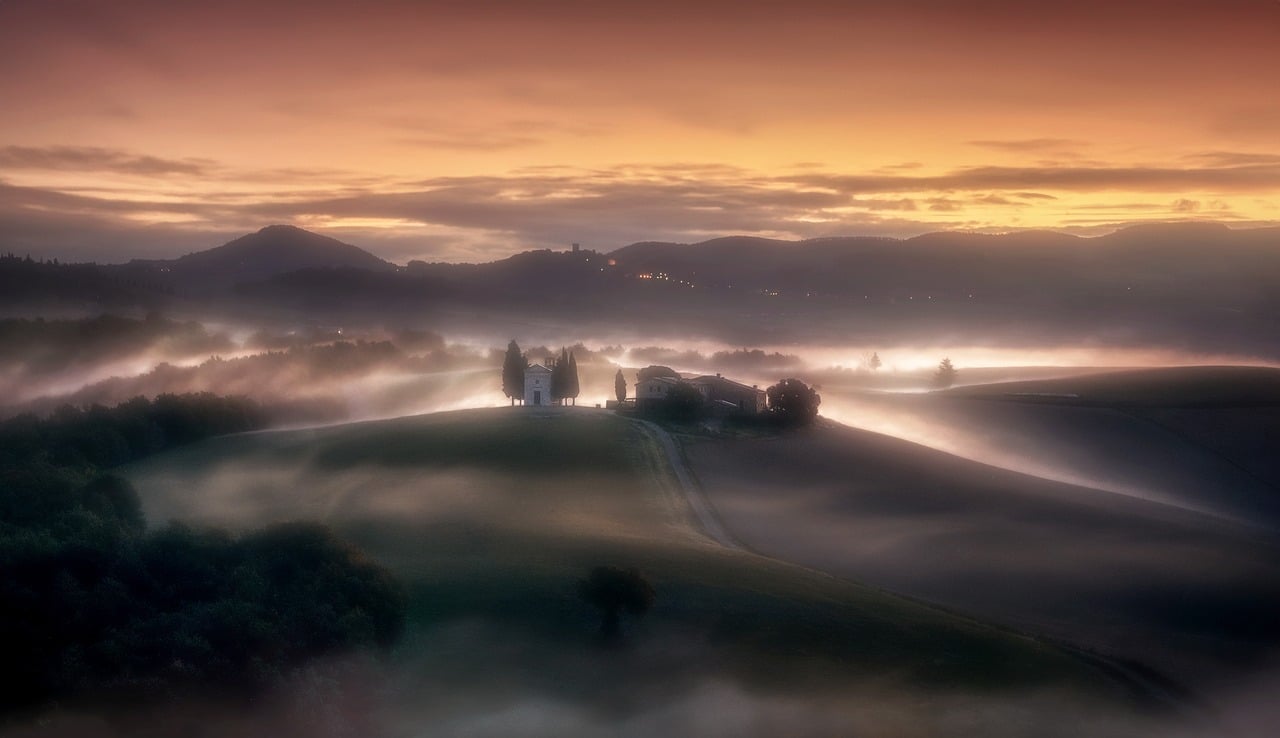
(1191, 594)
(492, 516)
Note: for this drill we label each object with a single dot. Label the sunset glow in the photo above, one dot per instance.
(434, 131)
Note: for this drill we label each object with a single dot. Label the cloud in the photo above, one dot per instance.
(1233, 158)
(1257, 177)
(95, 159)
(902, 203)
(490, 136)
(1023, 145)
(463, 218)
(466, 143)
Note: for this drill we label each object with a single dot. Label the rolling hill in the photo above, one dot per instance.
(1181, 572)
(490, 517)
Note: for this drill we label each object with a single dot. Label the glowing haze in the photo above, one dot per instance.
(451, 131)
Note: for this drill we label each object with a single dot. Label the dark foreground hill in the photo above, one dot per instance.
(492, 517)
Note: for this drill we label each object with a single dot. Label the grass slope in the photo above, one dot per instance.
(491, 517)
(1196, 437)
(1191, 593)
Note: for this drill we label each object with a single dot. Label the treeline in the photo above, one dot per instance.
(100, 437)
(38, 344)
(298, 382)
(28, 282)
(96, 608)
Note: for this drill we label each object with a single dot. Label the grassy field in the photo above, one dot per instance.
(490, 518)
(1194, 594)
(1194, 437)
(1189, 386)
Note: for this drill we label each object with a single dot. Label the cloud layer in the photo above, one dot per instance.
(441, 131)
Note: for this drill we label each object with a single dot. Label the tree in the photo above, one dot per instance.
(683, 402)
(946, 375)
(513, 366)
(611, 590)
(572, 387)
(560, 376)
(653, 371)
(874, 361)
(620, 386)
(793, 402)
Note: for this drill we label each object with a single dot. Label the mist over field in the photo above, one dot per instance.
(639, 368)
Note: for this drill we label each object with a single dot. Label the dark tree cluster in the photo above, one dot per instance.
(282, 378)
(94, 607)
(101, 437)
(683, 403)
(793, 403)
(564, 378)
(31, 282)
(38, 344)
(614, 590)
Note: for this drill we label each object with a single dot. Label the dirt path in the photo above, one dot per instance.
(698, 502)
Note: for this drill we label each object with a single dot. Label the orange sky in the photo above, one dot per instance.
(438, 131)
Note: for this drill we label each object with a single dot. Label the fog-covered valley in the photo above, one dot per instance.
(972, 536)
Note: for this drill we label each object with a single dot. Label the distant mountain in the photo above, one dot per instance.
(1192, 285)
(276, 249)
(1177, 259)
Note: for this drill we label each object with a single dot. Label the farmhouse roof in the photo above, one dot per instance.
(716, 378)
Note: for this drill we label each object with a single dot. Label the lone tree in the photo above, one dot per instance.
(611, 590)
(793, 402)
(513, 366)
(874, 361)
(620, 386)
(946, 375)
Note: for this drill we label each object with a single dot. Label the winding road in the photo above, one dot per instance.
(698, 502)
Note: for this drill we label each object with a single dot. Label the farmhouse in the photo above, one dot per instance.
(726, 395)
(652, 391)
(721, 396)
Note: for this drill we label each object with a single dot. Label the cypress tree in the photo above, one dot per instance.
(946, 375)
(620, 386)
(513, 366)
(571, 379)
(559, 378)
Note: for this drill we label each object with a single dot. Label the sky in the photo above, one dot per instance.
(468, 131)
